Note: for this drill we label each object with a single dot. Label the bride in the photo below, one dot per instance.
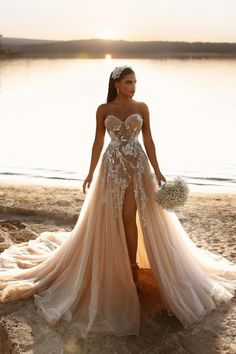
(88, 277)
(121, 104)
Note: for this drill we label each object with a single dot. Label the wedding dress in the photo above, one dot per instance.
(84, 277)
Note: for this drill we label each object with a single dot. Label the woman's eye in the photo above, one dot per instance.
(130, 82)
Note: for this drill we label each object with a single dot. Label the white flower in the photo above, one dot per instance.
(127, 149)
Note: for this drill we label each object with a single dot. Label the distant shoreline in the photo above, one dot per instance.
(183, 56)
(116, 49)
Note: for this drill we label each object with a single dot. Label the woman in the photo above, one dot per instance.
(88, 277)
(120, 104)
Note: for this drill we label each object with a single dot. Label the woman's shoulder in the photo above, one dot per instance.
(142, 107)
(101, 108)
(143, 104)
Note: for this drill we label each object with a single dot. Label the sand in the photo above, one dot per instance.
(209, 219)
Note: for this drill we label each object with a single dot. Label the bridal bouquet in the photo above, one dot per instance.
(172, 194)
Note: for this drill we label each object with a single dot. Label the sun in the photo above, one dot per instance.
(107, 35)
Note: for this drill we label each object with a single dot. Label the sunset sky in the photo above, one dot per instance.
(175, 20)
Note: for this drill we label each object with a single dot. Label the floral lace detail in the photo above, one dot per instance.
(123, 161)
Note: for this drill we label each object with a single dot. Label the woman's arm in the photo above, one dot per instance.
(97, 145)
(149, 143)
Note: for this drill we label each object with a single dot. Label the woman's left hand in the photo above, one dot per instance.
(159, 177)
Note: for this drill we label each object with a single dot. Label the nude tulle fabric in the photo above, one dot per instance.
(84, 278)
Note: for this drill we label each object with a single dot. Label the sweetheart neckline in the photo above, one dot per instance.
(111, 115)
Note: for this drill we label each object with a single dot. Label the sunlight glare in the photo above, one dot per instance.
(107, 35)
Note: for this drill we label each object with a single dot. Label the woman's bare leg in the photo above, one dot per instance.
(131, 232)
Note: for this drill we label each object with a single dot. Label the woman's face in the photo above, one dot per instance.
(127, 85)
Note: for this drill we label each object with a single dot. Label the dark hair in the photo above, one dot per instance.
(111, 87)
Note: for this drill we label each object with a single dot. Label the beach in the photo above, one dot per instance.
(208, 218)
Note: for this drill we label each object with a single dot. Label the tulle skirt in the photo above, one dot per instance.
(83, 277)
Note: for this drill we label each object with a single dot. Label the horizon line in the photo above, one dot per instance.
(110, 39)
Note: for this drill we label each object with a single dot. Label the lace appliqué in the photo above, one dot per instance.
(122, 162)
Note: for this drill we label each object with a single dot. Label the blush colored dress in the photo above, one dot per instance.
(84, 278)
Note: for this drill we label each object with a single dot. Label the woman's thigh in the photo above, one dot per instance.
(129, 206)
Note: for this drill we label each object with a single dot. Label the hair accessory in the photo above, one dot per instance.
(118, 70)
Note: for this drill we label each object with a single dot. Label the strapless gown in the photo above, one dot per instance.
(84, 278)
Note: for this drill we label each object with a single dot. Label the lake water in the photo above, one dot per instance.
(48, 121)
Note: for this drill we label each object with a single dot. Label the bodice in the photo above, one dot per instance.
(124, 158)
(123, 131)
(124, 145)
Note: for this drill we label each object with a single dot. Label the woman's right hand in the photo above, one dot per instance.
(87, 182)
